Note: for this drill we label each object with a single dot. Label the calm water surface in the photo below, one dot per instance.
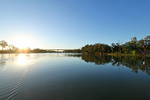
(73, 77)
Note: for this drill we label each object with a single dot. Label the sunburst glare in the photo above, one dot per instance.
(24, 41)
(22, 59)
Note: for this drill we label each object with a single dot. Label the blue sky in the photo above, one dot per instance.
(74, 23)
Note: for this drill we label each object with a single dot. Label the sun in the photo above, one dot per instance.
(24, 41)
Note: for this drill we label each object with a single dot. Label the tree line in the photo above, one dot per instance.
(4, 44)
(132, 47)
(8, 48)
(72, 51)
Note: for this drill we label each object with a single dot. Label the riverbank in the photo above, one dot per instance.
(114, 54)
(140, 55)
(97, 54)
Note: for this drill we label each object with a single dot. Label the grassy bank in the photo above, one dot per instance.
(117, 54)
(121, 54)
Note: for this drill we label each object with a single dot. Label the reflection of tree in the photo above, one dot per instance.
(132, 62)
(2, 62)
(1, 56)
(99, 60)
(74, 55)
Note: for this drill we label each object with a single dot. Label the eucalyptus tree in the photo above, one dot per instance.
(146, 42)
(97, 47)
(119, 47)
(113, 47)
(3, 44)
(12, 48)
(134, 43)
(143, 44)
(124, 48)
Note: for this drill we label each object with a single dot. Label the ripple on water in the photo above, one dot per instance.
(8, 91)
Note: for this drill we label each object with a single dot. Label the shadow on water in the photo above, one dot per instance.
(133, 62)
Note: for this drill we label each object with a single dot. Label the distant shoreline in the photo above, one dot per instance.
(98, 54)
(121, 54)
(111, 54)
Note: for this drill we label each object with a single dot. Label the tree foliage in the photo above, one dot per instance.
(131, 47)
(3, 44)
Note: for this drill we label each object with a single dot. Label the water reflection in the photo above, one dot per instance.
(68, 77)
(22, 59)
(132, 62)
(2, 63)
(99, 60)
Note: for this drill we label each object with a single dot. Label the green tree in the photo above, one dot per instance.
(134, 43)
(113, 47)
(143, 44)
(3, 44)
(146, 43)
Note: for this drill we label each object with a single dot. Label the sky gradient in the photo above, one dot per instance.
(74, 23)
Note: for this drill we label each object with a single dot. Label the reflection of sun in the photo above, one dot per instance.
(22, 59)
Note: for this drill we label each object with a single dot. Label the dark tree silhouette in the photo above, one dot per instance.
(3, 44)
